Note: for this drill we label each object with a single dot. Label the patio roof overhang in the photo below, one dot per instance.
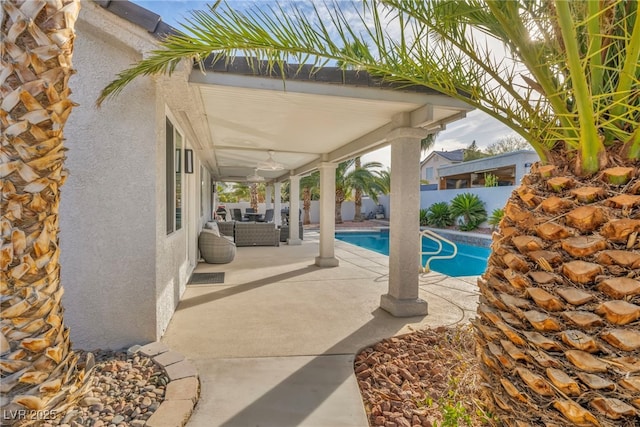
(308, 118)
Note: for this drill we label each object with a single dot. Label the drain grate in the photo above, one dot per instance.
(206, 278)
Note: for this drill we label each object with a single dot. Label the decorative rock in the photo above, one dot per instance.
(117, 419)
(133, 349)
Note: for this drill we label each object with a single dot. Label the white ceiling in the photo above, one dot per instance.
(302, 122)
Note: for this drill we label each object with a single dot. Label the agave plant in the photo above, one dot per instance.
(439, 215)
(469, 210)
(496, 217)
(558, 319)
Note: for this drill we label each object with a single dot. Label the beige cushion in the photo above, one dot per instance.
(213, 230)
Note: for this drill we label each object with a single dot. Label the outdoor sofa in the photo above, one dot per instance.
(256, 234)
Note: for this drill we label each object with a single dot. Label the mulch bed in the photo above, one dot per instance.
(426, 378)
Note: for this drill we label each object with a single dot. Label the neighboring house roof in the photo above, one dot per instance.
(454, 156)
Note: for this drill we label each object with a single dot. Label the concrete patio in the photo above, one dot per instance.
(274, 344)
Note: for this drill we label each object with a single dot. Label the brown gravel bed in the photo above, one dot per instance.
(127, 389)
(422, 379)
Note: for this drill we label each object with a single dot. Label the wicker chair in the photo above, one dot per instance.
(284, 232)
(216, 249)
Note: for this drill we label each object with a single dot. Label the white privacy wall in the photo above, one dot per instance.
(493, 197)
(107, 213)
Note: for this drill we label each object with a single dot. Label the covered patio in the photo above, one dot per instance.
(274, 344)
(244, 115)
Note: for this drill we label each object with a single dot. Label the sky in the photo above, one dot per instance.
(477, 126)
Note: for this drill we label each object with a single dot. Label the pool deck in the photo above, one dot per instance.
(274, 344)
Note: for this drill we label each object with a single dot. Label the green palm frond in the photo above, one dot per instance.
(567, 79)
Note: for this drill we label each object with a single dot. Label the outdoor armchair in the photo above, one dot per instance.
(216, 249)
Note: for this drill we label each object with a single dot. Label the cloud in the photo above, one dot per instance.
(477, 126)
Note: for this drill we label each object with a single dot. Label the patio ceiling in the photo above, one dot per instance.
(303, 121)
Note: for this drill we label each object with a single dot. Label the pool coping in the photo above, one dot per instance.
(465, 237)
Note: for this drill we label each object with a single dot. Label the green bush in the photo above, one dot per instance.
(423, 217)
(469, 211)
(439, 215)
(496, 217)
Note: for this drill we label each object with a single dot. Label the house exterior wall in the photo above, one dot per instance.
(436, 161)
(520, 159)
(122, 273)
(108, 205)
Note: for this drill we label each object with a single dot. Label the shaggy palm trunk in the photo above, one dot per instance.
(253, 188)
(306, 205)
(558, 321)
(39, 372)
(357, 197)
(339, 200)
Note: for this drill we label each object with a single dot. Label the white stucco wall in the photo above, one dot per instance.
(348, 208)
(107, 213)
(493, 197)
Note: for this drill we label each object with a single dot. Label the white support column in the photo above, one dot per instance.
(277, 204)
(404, 243)
(327, 215)
(294, 214)
(267, 197)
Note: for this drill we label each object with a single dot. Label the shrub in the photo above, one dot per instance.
(490, 180)
(469, 211)
(496, 217)
(439, 215)
(423, 217)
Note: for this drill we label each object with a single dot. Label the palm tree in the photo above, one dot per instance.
(351, 179)
(39, 371)
(253, 196)
(557, 324)
(310, 185)
(384, 180)
(357, 193)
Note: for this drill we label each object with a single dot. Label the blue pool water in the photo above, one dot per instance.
(470, 260)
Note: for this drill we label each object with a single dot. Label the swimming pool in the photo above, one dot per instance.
(470, 260)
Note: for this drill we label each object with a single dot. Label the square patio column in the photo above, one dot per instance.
(277, 204)
(327, 215)
(294, 214)
(404, 242)
(267, 197)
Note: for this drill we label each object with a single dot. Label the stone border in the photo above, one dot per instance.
(183, 390)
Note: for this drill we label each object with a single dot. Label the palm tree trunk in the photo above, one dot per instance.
(558, 320)
(253, 188)
(358, 194)
(39, 369)
(339, 200)
(306, 205)
(358, 205)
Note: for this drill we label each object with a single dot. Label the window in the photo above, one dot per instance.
(173, 178)
(428, 174)
(178, 139)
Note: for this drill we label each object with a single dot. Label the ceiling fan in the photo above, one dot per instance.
(270, 164)
(255, 177)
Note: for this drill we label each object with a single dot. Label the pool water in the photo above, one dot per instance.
(470, 260)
